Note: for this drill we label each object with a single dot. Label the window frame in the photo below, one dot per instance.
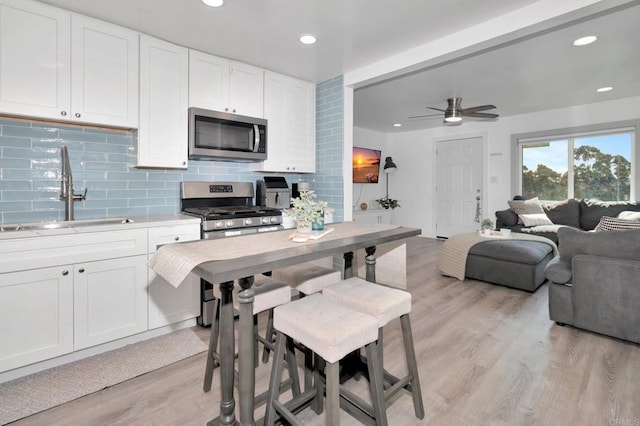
(570, 134)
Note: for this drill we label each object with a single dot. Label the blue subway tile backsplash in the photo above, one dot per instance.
(103, 162)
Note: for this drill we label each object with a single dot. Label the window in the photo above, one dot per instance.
(589, 165)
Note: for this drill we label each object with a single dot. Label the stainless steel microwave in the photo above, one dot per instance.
(215, 135)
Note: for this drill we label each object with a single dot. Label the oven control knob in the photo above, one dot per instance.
(229, 223)
(265, 220)
(274, 219)
(219, 224)
(248, 221)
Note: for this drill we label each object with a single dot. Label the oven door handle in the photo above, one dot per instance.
(256, 138)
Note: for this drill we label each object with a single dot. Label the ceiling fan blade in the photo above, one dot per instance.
(437, 109)
(480, 115)
(424, 116)
(477, 108)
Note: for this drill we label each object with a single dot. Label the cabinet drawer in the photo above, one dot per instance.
(172, 234)
(43, 252)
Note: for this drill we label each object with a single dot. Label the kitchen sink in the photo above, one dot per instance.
(63, 224)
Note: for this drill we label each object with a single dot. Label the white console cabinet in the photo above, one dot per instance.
(373, 216)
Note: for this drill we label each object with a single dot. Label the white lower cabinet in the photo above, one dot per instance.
(168, 304)
(110, 300)
(65, 293)
(36, 315)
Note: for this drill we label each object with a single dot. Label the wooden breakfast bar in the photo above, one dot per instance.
(222, 261)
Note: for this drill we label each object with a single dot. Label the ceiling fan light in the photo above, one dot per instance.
(453, 119)
(213, 3)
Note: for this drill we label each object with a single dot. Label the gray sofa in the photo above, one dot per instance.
(595, 282)
(582, 214)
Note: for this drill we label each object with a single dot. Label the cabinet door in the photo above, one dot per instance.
(208, 81)
(168, 304)
(35, 54)
(246, 90)
(289, 107)
(374, 216)
(110, 300)
(164, 87)
(36, 315)
(105, 73)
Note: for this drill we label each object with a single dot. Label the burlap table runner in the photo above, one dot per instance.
(174, 262)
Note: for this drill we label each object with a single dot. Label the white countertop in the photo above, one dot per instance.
(133, 222)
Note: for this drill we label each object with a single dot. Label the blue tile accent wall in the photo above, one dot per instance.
(103, 161)
(328, 181)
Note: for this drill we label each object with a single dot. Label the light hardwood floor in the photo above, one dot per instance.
(488, 355)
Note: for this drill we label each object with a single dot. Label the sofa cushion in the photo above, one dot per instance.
(592, 210)
(565, 212)
(629, 215)
(620, 244)
(507, 217)
(519, 251)
(530, 206)
(612, 224)
(535, 219)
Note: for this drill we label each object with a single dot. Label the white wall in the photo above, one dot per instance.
(369, 192)
(414, 153)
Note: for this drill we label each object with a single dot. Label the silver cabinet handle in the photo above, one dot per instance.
(226, 109)
(234, 110)
(77, 114)
(81, 270)
(63, 113)
(176, 239)
(65, 273)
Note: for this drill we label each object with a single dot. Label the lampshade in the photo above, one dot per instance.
(389, 165)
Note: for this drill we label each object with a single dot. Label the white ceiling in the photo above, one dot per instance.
(535, 74)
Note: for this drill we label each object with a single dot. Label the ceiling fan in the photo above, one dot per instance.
(454, 112)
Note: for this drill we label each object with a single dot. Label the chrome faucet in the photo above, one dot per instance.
(66, 186)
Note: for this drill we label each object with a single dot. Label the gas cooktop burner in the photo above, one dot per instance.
(212, 213)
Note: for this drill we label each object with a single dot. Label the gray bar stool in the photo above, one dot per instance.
(306, 278)
(384, 303)
(331, 331)
(269, 293)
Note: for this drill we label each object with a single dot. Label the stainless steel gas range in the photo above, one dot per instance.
(226, 210)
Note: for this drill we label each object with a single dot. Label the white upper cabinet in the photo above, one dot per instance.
(290, 109)
(104, 69)
(64, 66)
(222, 85)
(246, 89)
(35, 60)
(164, 94)
(208, 81)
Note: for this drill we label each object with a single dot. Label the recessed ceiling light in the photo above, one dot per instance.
(213, 3)
(583, 41)
(397, 125)
(604, 89)
(308, 39)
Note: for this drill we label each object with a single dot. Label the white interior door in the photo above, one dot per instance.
(459, 185)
